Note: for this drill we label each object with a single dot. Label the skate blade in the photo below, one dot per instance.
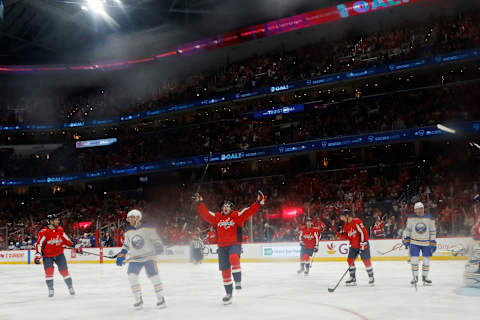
(227, 302)
(351, 284)
(162, 306)
(427, 284)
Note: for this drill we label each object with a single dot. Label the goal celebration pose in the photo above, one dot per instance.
(229, 238)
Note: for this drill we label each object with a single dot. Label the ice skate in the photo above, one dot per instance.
(227, 299)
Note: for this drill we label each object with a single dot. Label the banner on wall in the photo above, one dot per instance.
(388, 249)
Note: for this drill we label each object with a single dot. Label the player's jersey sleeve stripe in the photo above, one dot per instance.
(362, 236)
(66, 237)
(40, 243)
(242, 211)
(211, 213)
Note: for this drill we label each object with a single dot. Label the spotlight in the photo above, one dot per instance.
(96, 6)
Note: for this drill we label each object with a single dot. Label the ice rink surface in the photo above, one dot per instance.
(271, 291)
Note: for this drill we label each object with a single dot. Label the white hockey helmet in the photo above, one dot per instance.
(135, 213)
(418, 205)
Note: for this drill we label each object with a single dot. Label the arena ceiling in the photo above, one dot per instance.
(42, 31)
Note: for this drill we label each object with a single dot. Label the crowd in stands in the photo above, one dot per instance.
(412, 109)
(408, 41)
(373, 194)
(379, 195)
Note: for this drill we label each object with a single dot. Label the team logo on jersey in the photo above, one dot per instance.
(57, 241)
(331, 248)
(421, 228)
(226, 224)
(352, 233)
(138, 242)
(308, 236)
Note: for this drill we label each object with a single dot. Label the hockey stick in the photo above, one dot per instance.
(203, 175)
(311, 260)
(413, 274)
(395, 247)
(96, 254)
(338, 283)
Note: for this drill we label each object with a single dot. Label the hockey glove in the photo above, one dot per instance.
(38, 256)
(433, 246)
(120, 259)
(197, 197)
(364, 245)
(315, 249)
(79, 250)
(406, 242)
(261, 198)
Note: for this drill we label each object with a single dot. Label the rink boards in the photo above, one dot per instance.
(385, 249)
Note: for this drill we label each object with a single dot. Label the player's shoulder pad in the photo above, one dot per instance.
(412, 215)
(147, 225)
(60, 229)
(130, 228)
(429, 216)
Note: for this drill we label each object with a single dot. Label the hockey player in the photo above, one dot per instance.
(420, 236)
(357, 235)
(308, 237)
(51, 240)
(471, 276)
(320, 226)
(211, 236)
(228, 223)
(142, 244)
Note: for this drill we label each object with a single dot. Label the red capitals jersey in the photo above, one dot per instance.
(50, 242)
(211, 237)
(309, 237)
(356, 232)
(378, 229)
(228, 226)
(321, 227)
(476, 230)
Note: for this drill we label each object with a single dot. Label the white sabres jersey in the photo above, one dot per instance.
(141, 242)
(421, 230)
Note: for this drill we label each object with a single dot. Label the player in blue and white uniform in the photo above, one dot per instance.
(420, 236)
(141, 244)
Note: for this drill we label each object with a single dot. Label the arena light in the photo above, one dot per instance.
(96, 6)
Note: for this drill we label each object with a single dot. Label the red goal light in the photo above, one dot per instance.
(290, 213)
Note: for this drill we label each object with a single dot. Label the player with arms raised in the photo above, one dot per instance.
(142, 244)
(308, 237)
(50, 243)
(420, 236)
(357, 235)
(229, 238)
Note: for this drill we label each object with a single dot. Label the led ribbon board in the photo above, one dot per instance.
(275, 27)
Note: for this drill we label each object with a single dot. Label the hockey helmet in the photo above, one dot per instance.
(51, 217)
(135, 213)
(228, 203)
